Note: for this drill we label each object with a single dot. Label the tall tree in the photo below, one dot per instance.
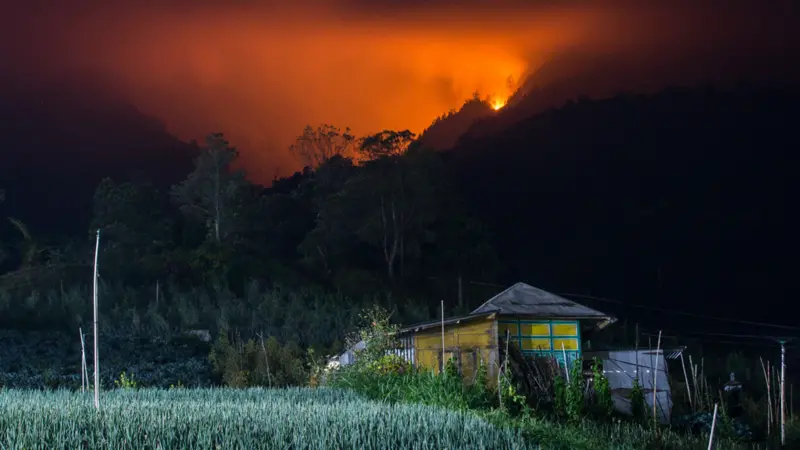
(403, 176)
(327, 241)
(386, 204)
(316, 146)
(211, 192)
(137, 224)
(387, 143)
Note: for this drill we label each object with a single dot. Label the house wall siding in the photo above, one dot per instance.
(469, 343)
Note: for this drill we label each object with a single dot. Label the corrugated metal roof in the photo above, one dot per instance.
(449, 321)
(523, 299)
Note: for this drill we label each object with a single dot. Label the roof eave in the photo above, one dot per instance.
(452, 321)
(605, 322)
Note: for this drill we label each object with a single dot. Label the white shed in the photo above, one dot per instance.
(621, 367)
(349, 356)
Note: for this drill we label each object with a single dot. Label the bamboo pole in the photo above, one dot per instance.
(566, 365)
(693, 370)
(636, 351)
(266, 360)
(443, 361)
(655, 382)
(688, 388)
(713, 425)
(502, 371)
(769, 397)
(704, 380)
(84, 377)
(783, 393)
(96, 342)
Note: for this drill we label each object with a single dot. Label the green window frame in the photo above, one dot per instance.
(522, 325)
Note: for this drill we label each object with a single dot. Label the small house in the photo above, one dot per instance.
(539, 322)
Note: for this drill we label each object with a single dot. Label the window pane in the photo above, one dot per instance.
(565, 329)
(512, 328)
(569, 344)
(536, 329)
(536, 344)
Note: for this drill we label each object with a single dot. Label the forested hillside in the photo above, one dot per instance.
(579, 199)
(679, 199)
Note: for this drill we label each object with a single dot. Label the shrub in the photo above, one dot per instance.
(377, 332)
(512, 401)
(390, 364)
(604, 404)
(238, 363)
(575, 399)
(126, 382)
(559, 396)
(638, 405)
(377, 374)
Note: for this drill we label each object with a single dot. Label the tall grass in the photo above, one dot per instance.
(424, 387)
(237, 419)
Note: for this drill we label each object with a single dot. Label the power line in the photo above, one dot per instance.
(744, 336)
(683, 313)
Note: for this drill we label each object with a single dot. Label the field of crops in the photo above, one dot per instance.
(236, 419)
(51, 360)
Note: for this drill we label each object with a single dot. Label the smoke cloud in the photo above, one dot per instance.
(261, 71)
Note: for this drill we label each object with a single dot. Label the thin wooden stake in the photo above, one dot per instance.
(769, 398)
(266, 360)
(96, 342)
(783, 393)
(655, 381)
(443, 361)
(636, 351)
(688, 388)
(693, 369)
(713, 425)
(84, 380)
(502, 371)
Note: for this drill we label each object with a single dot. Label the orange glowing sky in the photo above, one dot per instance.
(261, 71)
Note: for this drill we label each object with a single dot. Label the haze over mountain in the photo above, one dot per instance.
(259, 73)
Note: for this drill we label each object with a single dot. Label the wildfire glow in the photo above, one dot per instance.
(257, 72)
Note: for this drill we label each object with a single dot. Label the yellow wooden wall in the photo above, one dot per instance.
(476, 337)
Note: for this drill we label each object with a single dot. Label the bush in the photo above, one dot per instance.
(560, 396)
(126, 382)
(638, 405)
(604, 404)
(242, 364)
(389, 364)
(379, 375)
(575, 398)
(512, 401)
